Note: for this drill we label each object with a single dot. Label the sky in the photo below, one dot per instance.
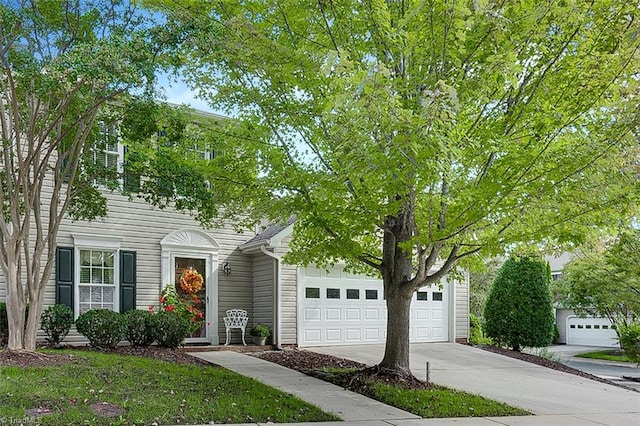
(177, 92)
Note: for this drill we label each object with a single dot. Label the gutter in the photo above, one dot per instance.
(278, 325)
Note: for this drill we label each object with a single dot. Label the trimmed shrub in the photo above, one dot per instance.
(629, 337)
(104, 328)
(519, 310)
(169, 329)
(56, 321)
(139, 331)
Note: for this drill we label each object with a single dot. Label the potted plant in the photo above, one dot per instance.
(260, 332)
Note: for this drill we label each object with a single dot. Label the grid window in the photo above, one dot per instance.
(106, 152)
(371, 294)
(437, 296)
(97, 280)
(423, 295)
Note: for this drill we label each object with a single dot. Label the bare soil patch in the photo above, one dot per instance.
(106, 409)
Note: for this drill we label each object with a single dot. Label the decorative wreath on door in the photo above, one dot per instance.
(191, 281)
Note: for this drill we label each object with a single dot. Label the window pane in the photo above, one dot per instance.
(333, 293)
(108, 258)
(371, 294)
(423, 295)
(96, 258)
(85, 275)
(437, 296)
(107, 294)
(85, 257)
(96, 276)
(108, 276)
(312, 293)
(353, 293)
(85, 294)
(96, 294)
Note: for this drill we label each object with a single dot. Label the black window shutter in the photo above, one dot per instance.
(127, 280)
(64, 276)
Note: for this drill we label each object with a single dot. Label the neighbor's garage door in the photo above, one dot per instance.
(337, 308)
(590, 331)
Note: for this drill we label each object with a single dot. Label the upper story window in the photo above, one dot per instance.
(107, 154)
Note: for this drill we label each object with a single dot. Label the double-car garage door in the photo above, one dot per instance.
(338, 308)
(591, 331)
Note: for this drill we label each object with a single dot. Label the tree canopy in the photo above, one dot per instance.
(66, 71)
(410, 136)
(604, 279)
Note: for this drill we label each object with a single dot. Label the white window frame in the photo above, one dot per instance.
(103, 128)
(97, 243)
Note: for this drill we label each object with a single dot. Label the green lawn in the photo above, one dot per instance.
(147, 390)
(611, 355)
(437, 402)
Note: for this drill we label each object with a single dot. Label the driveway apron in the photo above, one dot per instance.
(538, 389)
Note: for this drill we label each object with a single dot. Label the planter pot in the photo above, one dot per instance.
(259, 340)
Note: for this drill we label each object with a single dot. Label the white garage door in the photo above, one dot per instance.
(337, 308)
(590, 331)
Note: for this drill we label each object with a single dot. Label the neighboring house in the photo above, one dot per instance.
(576, 330)
(123, 261)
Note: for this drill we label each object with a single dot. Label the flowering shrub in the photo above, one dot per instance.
(191, 281)
(185, 306)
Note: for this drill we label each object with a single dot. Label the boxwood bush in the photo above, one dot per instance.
(56, 321)
(139, 329)
(519, 310)
(169, 329)
(104, 328)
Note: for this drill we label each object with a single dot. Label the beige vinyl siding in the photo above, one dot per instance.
(263, 297)
(288, 294)
(141, 227)
(462, 308)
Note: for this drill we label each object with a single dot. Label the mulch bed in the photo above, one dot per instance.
(39, 359)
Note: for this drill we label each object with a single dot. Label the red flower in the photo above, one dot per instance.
(169, 308)
(200, 315)
(161, 299)
(151, 308)
(196, 300)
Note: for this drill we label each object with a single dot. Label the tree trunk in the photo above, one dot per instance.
(396, 353)
(15, 308)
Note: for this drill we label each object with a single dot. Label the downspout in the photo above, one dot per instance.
(278, 325)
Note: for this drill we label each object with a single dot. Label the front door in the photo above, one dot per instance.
(199, 298)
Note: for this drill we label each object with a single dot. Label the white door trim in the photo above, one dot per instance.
(196, 244)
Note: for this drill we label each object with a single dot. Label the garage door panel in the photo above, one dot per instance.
(352, 314)
(340, 308)
(312, 314)
(591, 331)
(372, 314)
(333, 314)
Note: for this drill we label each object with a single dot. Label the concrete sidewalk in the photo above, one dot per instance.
(356, 409)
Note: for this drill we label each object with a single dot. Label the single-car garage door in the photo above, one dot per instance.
(590, 331)
(338, 308)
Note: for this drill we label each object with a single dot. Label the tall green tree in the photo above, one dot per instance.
(519, 310)
(605, 279)
(410, 136)
(64, 66)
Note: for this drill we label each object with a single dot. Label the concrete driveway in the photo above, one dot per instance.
(518, 383)
(610, 370)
